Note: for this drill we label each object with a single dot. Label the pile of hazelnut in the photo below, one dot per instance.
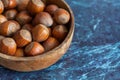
(30, 27)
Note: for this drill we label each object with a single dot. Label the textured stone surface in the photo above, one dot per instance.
(95, 51)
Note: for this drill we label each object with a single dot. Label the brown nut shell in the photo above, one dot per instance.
(50, 43)
(2, 18)
(27, 27)
(33, 49)
(61, 16)
(8, 46)
(17, 24)
(23, 17)
(19, 52)
(9, 4)
(11, 14)
(35, 6)
(22, 38)
(60, 32)
(22, 5)
(40, 33)
(51, 8)
(43, 18)
(8, 28)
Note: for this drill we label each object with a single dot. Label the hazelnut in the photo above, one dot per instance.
(50, 43)
(51, 9)
(9, 4)
(35, 6)
(33, 49)
(60, 32)
(8, 46)
(22, 4)
(43, 18)
(61, 16)
(11, 14)
(22, 38)
(2, 18)
(40, 33)
(1, 7)
(8, 28)
(27, 27)
(19, 52)
(17, 24)
(23, 17)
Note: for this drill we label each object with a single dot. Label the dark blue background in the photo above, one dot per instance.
(95, 50)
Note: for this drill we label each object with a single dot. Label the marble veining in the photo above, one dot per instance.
(95, 50)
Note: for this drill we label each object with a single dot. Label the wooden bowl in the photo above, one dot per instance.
(26, 64)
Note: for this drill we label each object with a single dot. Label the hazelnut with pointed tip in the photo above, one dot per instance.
(60, 32)
(35, 6)
(8, 28)
(22, 38)
(50, 43)
(61, 16)
(43, 18)
(8, 46)
(33, 49)
(40, 33)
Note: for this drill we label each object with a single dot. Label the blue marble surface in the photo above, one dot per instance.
(95, 50)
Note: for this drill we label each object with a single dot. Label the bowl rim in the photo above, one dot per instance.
(71, 31)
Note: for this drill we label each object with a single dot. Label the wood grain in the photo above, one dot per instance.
(26, 64)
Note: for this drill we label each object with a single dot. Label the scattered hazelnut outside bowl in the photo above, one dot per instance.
(49, 57)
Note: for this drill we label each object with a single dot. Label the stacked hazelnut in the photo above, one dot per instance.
(30, 27)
